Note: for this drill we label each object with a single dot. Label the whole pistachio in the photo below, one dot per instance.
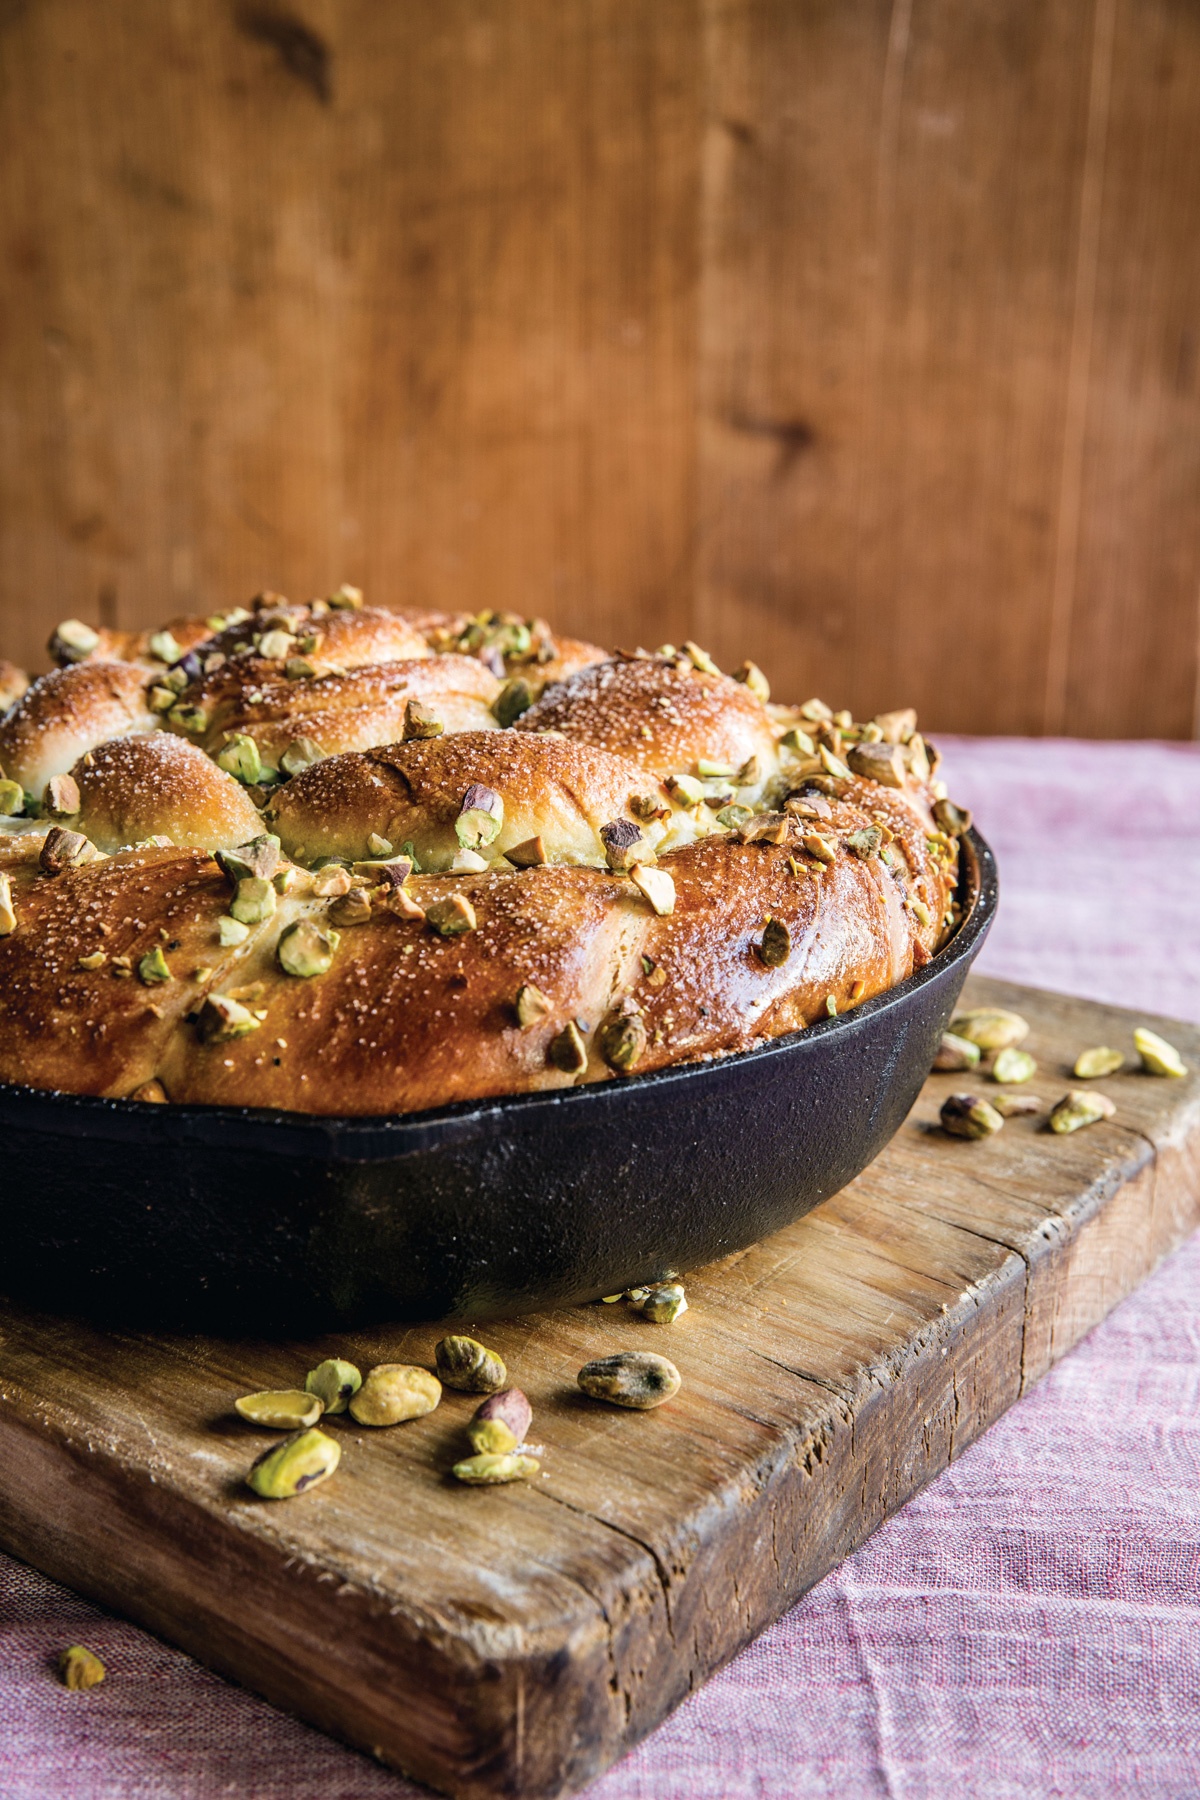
(775, 945)
(295, 1466)
(466, 1364)
(501, 1422)
(284, 1409)
(334, 1383)
(969, 1116)
(73, 641)
(632, 1378)
(1079, 1108)
(990, 1027)
(1158, 1057)
(304, 949)
(80, 1668)
(1010, 1106)
(480, 818)
(663, 1305)
(1090, 1065)
(393, 1392)
(492, 1471)
(1013, 1066)
(955, 1053)
(622, 1040)
(514, 698)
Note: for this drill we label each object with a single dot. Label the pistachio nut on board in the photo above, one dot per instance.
(635, 1378)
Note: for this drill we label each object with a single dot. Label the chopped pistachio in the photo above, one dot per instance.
(775, 946)
(865, 843)
(352, 908)
(383, 871)
(259, 857)
(12, 799)
(897, 727)
(918, 757)
(404, 906)
(492, 1471)
(221, 1019)
(78, 1667)
(161, 699)
(501, 1422)
(74, 641)
(61, 799)
(514, 698)
(956, 1053)
(194, 720)
(657, 886)
(831, 1005)
(816, 711)
(1009, 1106)
(298, 668)
(832, 764)
(568, 1051)
(532, 1005)
(334, 1383)
(305, 949)
(295, 1466)
(420, 722)
(1078, 1108)
(1158, 1057)
(955, 821)
(798, 741)
(379, 846)
(164, 647)
(969, 1116)
(276, 646)
(8, 913)
(750, 773)
(753, 678)
(466, 1364)
(231, 932)
(632, 1378)
(346, 598)
(302, 753)
(766, 828)
(820, 847)
(647, 807)
(240, 758)
(62, 849)
(713, 771)
(992, 1028)
(286, 1409)
(919, 910)
(96, 960)
(452, 916)
(684, 790)
(624, 845)
(331, 881)
(153, 968)
(530, 854)
(394, 1392)
(663, 1305)
(622, 1040)
(1090, 1065)
(175, 679)
(700, 659)
(151, 1093)
(480, 817)
(878, 762)
(1013, 1066)
(253, 900)
(735, 818)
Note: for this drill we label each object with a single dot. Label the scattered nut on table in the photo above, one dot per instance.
(1013, 1065)
(285, 1409)
(501, 1422)
(954, 1054)
(991, 1027)
(295, 1466)
(394, 1392)
(970, 1116)
(1158, 1057)
(466, 1364)
(1078, 1109)
(79, 1668)
(491, 1471)
(334, 1382)
(635, 1378)
(1090, 1065)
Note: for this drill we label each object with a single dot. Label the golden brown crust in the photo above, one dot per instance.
(142, 647)
(786, 886)
(549, 787)
(156, 785)
(68, 712)
(667, 716)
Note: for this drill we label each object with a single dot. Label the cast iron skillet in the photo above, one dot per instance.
(241, 1219)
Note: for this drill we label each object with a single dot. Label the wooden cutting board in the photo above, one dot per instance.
(516, 1640)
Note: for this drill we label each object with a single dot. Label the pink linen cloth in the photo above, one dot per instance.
(1028, 1626)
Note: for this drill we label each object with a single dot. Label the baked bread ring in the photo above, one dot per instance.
(421, 879)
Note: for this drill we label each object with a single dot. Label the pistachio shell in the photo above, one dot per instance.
(632, 1378)
(394, 1392)
(1090, 1065)
(493, 1471)
(334, 1383)
(295, 1466)
(466, 1364)
(285, 1409)
(1158, 1057)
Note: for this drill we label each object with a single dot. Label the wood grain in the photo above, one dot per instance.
(858, 339)
(515, 1641)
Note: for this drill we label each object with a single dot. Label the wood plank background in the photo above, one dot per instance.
(860, 337)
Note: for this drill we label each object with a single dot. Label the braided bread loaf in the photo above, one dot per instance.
(340, 860)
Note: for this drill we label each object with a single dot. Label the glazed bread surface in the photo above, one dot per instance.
(335, 860)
